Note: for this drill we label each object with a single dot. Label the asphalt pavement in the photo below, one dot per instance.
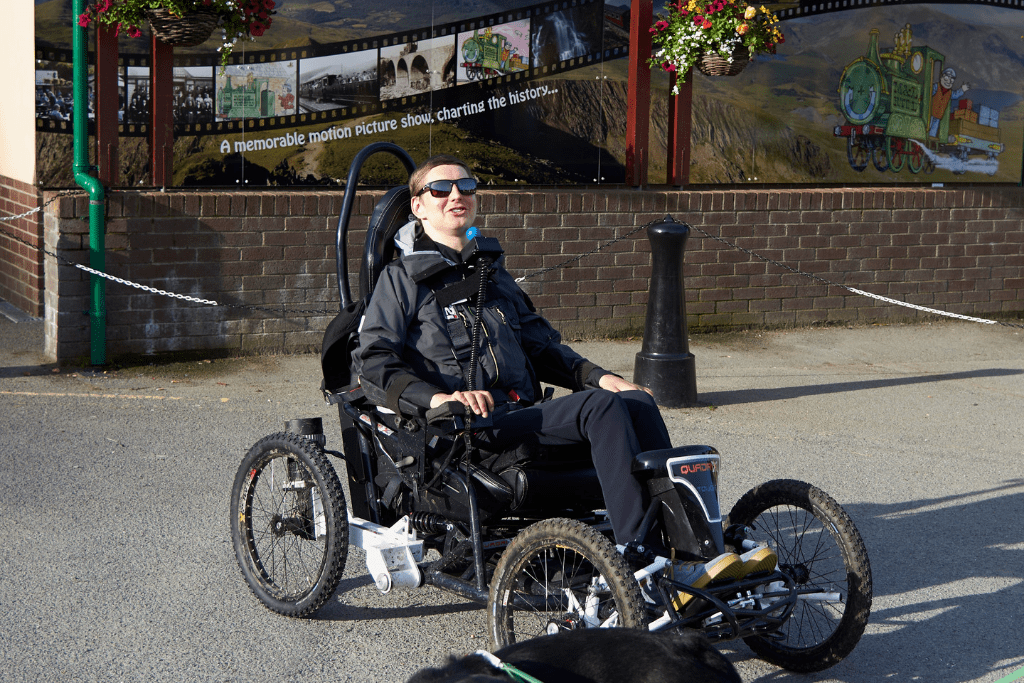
(117, 562)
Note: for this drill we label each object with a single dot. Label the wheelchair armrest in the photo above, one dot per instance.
(446, 411)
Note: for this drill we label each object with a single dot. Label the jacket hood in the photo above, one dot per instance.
(418, 262)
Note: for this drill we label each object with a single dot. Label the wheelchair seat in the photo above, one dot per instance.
(528, 481)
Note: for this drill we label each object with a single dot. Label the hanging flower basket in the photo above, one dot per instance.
(714, 64)
(695, 33)
(185, 23)
(189, 30)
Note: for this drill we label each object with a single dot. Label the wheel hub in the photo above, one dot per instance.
(279, 526)
(798, 572)
(567, 623)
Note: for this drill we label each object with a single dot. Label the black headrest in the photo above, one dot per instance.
(390, 214)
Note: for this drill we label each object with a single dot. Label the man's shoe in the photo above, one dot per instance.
(724, 567)
(760, 559)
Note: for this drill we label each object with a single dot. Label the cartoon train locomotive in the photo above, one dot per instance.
(488, 55)
(901, 113)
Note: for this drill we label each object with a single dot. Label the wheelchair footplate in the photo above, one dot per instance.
(727, 610)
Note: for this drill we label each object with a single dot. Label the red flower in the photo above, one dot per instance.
(698, 19)
(668, 67)
(103, 5)
(707, 23)
(269, 4)
(257, 29)
(84, 19)
(134, 32)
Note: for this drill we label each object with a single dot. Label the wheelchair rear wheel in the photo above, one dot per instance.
(560, 574)
(289, 524)
(820, 548)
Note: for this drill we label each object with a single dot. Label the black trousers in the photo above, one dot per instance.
(616, 425)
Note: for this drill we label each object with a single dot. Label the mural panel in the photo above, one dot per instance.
(860, 92)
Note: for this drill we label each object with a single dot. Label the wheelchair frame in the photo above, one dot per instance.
(682, 482)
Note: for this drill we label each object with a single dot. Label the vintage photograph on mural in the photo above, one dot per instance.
(337, 81)
(53, 92)
(134, 101)
(566, 34)
(193, 95)
(494, 51)
(417, 67)
(249, 91)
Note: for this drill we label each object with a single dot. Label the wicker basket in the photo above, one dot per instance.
(713, 64)
(188, 31)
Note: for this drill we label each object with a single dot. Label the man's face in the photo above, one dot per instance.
(446, 217)
(947, 81)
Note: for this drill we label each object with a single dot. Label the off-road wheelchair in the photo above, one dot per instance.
(524, 534)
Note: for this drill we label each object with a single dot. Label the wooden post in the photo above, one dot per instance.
(106, 104)
(680, 110)
(161, 104)
(638, 105)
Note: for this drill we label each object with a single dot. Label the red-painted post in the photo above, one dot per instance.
(680, 110)
(638, 104)
(106, 104)
(161, 103)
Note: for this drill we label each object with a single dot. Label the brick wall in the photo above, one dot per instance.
(21, 270)
(959, 250)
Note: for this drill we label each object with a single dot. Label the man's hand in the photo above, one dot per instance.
(616, 384)
(480, 402)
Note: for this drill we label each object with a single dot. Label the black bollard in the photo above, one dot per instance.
(665, 364)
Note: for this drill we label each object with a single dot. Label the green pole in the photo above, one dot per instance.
(92, 185)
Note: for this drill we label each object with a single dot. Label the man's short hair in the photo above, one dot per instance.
(416, 179)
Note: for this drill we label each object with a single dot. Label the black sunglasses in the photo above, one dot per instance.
(443, 188)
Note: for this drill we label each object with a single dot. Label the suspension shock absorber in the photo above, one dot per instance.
(428, 522)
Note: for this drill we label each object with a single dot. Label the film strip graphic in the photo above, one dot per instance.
(447, 67)
(794, 9)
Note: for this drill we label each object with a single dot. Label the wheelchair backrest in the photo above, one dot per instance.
(391, 213)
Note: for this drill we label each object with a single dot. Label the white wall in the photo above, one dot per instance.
(17, 83)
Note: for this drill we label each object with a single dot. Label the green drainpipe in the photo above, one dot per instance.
(92, 185)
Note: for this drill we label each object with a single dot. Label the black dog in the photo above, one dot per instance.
(600, 655)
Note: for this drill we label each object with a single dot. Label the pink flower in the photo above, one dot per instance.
(134, 32)
(668, 67)
(103, 5)
(661, 25)
(698, 19)
(84, 19)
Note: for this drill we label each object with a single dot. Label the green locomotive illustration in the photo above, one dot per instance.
(251, 100)
(489, 54)
(902, 112)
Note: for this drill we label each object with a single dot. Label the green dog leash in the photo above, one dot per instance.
(509, 670)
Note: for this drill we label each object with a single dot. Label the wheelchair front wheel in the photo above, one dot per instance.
(560, 574)
(289, 524)
(820, 548)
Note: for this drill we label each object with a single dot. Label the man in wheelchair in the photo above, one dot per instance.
(416, 347)
(448, 435)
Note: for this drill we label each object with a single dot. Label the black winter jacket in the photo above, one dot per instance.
(410, 347)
